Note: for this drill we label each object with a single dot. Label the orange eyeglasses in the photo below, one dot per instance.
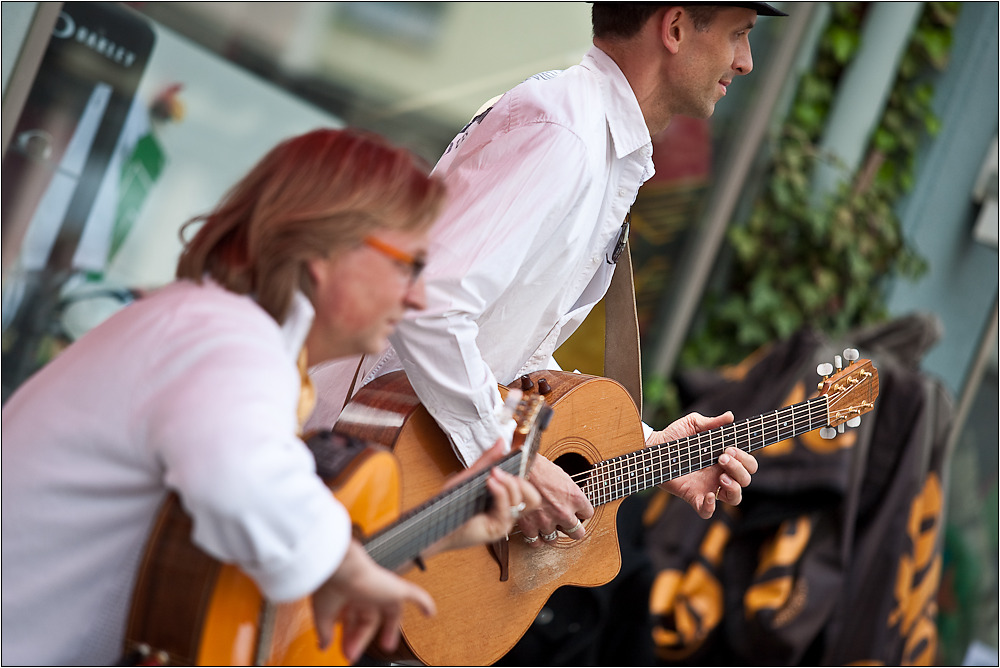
(415, 265)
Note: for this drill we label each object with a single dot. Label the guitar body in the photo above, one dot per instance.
(479, 615)
(487, 598)
(190, 609)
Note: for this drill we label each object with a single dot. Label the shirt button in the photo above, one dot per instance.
(621, 192)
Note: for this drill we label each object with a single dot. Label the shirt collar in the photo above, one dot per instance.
(295, 329)
(625, 120)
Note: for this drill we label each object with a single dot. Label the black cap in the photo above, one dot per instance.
(762, 8)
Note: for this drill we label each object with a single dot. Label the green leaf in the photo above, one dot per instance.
(843, 43)
(884, 140)
(786, 323)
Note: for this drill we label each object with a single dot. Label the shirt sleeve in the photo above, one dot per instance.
(222, 419)
(507, 197)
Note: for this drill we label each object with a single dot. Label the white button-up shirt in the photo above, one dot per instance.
(538, 189)
(193, 389)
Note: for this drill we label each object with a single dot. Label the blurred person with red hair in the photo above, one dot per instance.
(200, 389)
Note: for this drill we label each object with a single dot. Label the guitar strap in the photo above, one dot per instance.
(354, 382)
(621, 330)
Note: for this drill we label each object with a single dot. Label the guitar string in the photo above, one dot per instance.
(763, 433)
(422, 526)
(644, 468)
(677, 457)
(436, 518)
(603, 474)
(401, 539)
(608, 468)
(696, 442)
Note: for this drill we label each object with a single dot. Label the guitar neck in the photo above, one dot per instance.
(420, 527)
(617, 478)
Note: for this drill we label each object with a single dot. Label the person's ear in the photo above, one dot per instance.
(317, 269)
(672, 28)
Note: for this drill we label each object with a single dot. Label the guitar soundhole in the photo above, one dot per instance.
(575, 465)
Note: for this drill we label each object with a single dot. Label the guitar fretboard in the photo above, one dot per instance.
(617, 478)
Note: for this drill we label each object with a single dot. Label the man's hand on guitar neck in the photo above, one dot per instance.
(724, 480)
(564, 506)
(512, 497)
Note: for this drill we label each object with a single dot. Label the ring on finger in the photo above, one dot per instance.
(515, 511)
(575, 527)
(550, 536)
(530, 540)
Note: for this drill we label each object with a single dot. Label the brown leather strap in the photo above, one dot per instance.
(621, 331)
(354, 382)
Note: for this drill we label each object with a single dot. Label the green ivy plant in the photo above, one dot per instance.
(795, 263)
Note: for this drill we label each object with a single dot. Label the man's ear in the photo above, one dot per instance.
(672, 27)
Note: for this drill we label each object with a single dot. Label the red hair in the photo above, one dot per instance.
(308, 196)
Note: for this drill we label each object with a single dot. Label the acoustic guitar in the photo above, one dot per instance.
(188, 608)
(486, 602)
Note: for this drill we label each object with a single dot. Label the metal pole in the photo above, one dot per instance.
(16, 94)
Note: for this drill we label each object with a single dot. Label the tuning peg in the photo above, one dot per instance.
(824, 369)
(526, 383)
(543, 386)
(851, 355)
(514, 397)
(506, 412)
(854, 422)
(827, 433)
(838, 362)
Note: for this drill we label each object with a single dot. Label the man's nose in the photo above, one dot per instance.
(744, 61)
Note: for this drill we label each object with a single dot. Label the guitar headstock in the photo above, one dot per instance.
(850, 392)
(531, 416)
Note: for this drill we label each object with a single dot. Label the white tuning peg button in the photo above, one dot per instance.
(827, 433)
(838, 362)
(854, 422)
(824, 369)
(851, 354)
